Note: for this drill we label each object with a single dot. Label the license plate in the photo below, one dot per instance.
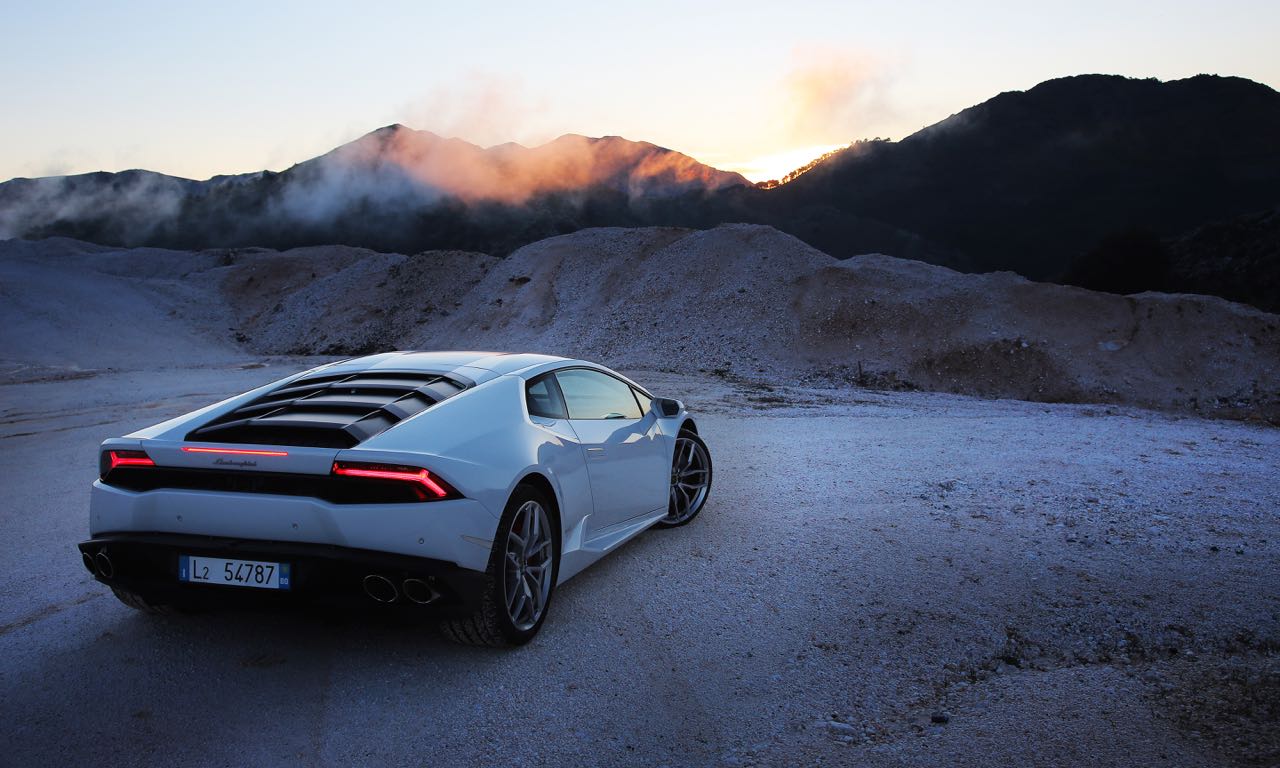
(233, 573)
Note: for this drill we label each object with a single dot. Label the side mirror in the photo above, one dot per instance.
(665, 407)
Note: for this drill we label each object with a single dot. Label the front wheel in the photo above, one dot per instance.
(690, 480)
(523, 567)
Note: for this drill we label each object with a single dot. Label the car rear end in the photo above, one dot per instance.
(271, 495)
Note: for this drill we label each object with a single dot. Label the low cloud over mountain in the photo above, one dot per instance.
(394, 188)
(1095, 179)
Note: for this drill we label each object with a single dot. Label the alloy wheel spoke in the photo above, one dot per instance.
(516, 603)
(533, 605)
(537, 550)
(535, 594)
(513, 537)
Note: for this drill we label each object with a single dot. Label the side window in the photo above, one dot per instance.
(593, 395)
(644, 400)
(543, 398)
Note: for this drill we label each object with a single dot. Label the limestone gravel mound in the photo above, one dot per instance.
(70, 306)
(1001, 335)
(65, 312)
(751, 301)
(647, 297)
(355, 305)
(743, 301)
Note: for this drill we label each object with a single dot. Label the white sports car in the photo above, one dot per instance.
(468, 481)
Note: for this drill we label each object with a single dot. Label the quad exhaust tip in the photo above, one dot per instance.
(105, 568)
(381, 588)
(88, 563)
(419, 591)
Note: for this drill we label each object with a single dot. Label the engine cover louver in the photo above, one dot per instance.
(331, 410)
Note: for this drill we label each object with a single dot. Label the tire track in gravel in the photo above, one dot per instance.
(46, 612)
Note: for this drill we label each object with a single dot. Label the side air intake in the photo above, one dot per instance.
(331, 411)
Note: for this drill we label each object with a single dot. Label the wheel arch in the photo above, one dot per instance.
(542, 483)
(690, 425)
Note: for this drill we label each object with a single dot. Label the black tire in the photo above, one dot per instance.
(667, 522)
(140, 603)
(491, 624)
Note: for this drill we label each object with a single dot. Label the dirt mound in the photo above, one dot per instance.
(68, 306)
(751, 301)
(655, 297)
(340, 301)
(1001, 335)
(739, 300)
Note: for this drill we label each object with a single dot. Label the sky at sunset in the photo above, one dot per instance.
(195, 89)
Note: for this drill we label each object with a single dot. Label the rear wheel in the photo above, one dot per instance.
(523, 567)
(690, 480)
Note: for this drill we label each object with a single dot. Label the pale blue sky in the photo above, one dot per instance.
(197, 88)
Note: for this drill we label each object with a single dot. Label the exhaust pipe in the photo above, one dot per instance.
(88, 563)
(380, 588)
(104, 565)
(419, 591)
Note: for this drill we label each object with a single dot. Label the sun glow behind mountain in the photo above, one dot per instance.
(774, 166)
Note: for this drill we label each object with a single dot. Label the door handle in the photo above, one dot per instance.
(595, 452)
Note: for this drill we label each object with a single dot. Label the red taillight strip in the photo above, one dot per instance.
(233, 451)
(421, 476)
(133, 459)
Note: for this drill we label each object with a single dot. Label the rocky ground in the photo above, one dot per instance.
(883, 576)
(880, 578)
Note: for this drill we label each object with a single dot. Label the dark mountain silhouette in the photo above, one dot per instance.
(1030, 181)
(1238, 259)
(1087, 179)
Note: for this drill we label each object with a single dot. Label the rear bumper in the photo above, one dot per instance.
(458, 531)
(147, 563)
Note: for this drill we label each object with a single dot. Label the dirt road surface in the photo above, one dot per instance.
(878, 579)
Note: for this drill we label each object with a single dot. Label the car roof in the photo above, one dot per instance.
(471, 364)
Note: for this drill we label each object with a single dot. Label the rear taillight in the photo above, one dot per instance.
(425, 485)
(115, 458)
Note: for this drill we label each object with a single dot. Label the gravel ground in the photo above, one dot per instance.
(881, 579)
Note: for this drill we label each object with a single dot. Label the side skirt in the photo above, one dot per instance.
(579, 554)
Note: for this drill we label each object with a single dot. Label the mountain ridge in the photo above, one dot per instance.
(392, 189)
(1082, 157)
(1043, 182)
